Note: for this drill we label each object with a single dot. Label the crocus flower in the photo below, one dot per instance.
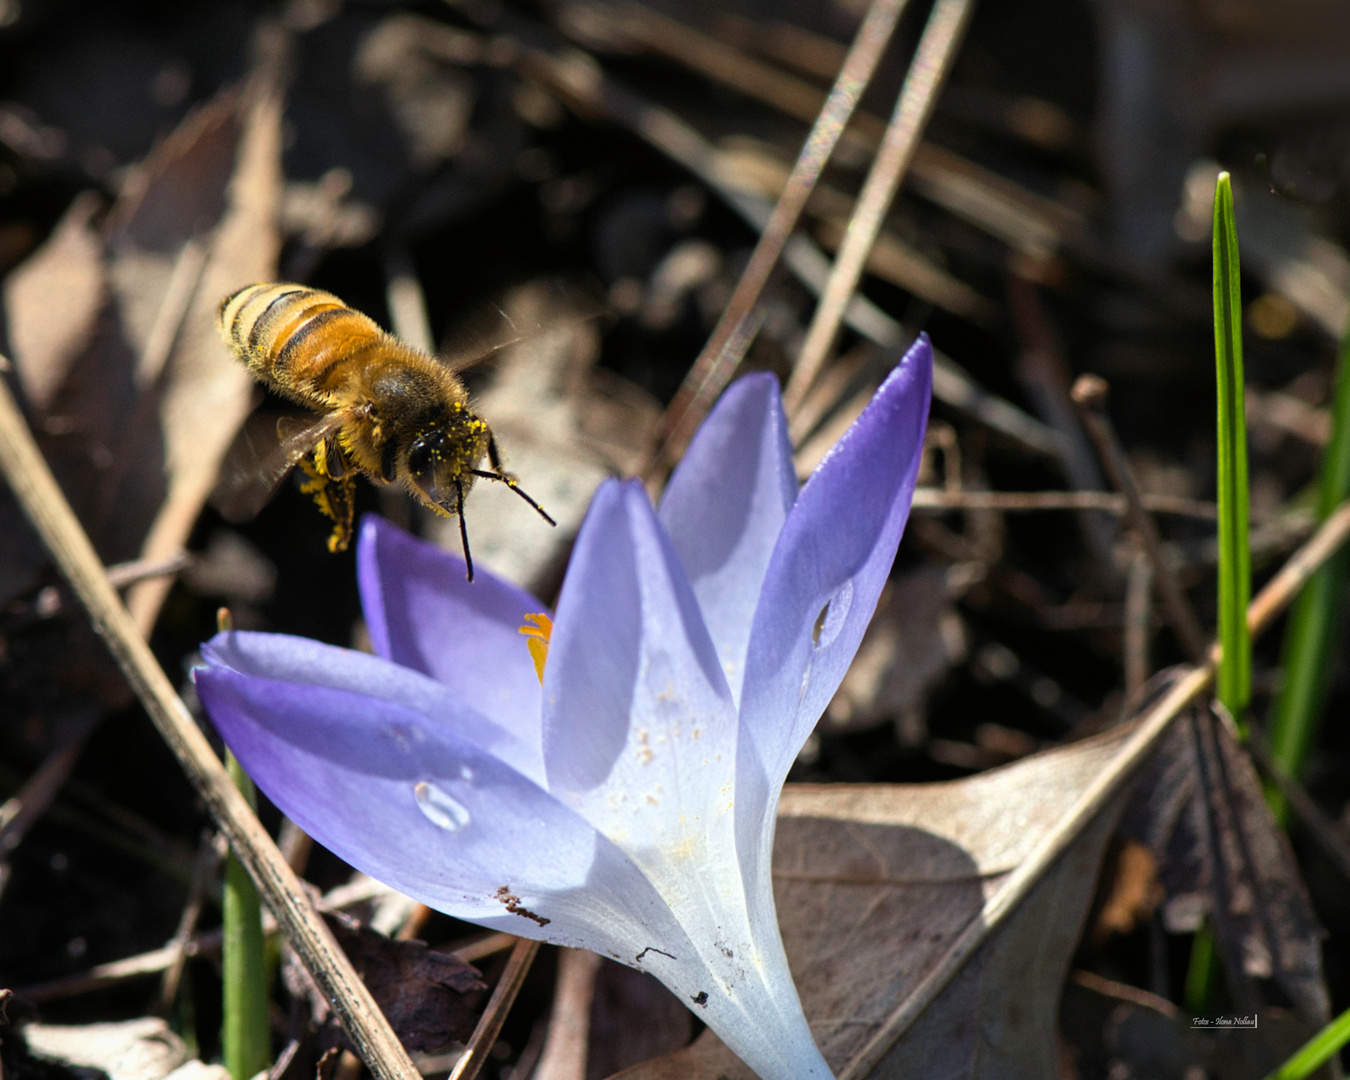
(627, 805)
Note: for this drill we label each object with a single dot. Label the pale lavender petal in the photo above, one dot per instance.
(830, 564)
(628, 638)
(311, 665)
(423, 614)
(724, 507)
(639, 727)
(405, 799)
(640, 738)
(836, 549)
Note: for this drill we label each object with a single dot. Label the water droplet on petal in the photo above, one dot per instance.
(831, 618)
(441, 810)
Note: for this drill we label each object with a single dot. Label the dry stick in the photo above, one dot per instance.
(208, 943)
(569, 1025)
(19, 813)
(490, 1023)
(937, 49)
(578, 80)
(1089, 394)
(1273, 599)
(37, 491)
(727, 345)
(937, 499)
(1138, 622)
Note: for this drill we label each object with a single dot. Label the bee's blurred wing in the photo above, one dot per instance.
(484, 337)
(266, 449)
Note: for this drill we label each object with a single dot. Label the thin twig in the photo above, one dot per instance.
(580, 82)
(19, 812)
(1089, 394)
(1147, 730)
(928, 498)
(1138, 622)
(1043, 373)
(33, 485)
(1032, 223)
(484, 945)
(1295, 573)
(937, 50)
(490, 1023)
(1124, 992)
(569, 1023)
(726, 347)
(208, 944)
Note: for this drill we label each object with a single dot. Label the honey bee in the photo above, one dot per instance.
(384, 408)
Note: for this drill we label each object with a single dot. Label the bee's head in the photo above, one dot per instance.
(441, 460)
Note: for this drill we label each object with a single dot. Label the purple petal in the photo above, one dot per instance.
(832, 560)
(301, 662)
(725, 506)
(422, 614)
(639, 726)
(628, 643)
(405, 799)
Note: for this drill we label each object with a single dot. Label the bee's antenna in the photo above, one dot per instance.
(510, 481)
(464, 532)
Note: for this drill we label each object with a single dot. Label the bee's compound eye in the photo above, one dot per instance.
(425, 451)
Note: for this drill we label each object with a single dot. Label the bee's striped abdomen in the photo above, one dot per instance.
(292, 337)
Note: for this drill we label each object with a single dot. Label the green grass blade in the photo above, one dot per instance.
(246, 1039)
(1235, 575)
(1310, 643)
(1201, 973)
(1316, 1050)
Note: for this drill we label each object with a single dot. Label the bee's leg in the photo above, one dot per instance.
(342, 499)
(335, 464)
(334, 496)
(464, 531)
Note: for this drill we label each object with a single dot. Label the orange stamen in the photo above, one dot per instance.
(539, 635)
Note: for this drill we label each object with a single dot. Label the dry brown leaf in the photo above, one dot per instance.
(112, 329)
(430, 998)
(875, 885)
(1223, 857)
(206, 393)
(1133, 894)
(52, 303)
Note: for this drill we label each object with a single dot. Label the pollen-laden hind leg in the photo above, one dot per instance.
(334, 491)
